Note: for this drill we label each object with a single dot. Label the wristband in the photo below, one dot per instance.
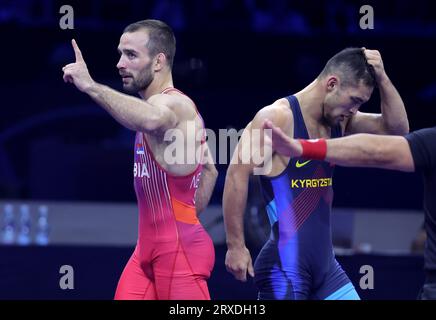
(314, 149)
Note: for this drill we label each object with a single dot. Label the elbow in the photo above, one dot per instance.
(151, 124)
(229, 184)
(236, 181)
(406, 128)
(213, 171)
(210, 170)
(214, 175)
(403, 128)
(231, 174)
(398, 130)
(155, 124)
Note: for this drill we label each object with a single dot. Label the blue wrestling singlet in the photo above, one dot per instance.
(298, 262)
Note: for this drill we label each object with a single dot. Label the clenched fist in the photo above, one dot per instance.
(373, 57)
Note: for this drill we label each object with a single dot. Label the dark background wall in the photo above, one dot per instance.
(233, 57)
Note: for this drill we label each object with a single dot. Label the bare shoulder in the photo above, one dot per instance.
(279, 112)
(179, 103)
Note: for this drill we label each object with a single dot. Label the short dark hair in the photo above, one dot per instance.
(352, 65)
(161, 37)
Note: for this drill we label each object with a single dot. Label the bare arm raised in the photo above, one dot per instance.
(153, 116)
(393, 117)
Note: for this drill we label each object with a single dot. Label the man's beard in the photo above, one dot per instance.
(140, 83)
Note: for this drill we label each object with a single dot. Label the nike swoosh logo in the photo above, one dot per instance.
(299, 165)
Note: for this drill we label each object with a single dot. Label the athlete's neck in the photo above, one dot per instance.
(311, 100)
(159, 84)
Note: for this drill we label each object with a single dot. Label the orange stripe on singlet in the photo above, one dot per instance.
(184, 212)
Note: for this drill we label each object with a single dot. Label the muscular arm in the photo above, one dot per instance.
(149, 116)
(234, 203)
(393, 118)
(235, 192)
(207, 182)
(244, 163)
(393, 110)
(238, 258)
(366, 150)
(153, 116)
(360, 150)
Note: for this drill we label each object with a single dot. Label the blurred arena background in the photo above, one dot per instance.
(59, 152)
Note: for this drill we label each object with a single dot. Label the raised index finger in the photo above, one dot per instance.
(77, 51)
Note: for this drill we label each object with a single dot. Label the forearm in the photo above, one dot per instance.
(354, 151)
(205, 189)
(131, 112)
(365, 150)
(234, 203)
(393, 110)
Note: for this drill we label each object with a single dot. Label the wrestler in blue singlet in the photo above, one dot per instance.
(298, 262)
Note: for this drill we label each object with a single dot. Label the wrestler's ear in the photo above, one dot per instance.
(332, 83)
(159, 61)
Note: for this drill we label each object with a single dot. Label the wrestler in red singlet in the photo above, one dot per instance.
(174, 255)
